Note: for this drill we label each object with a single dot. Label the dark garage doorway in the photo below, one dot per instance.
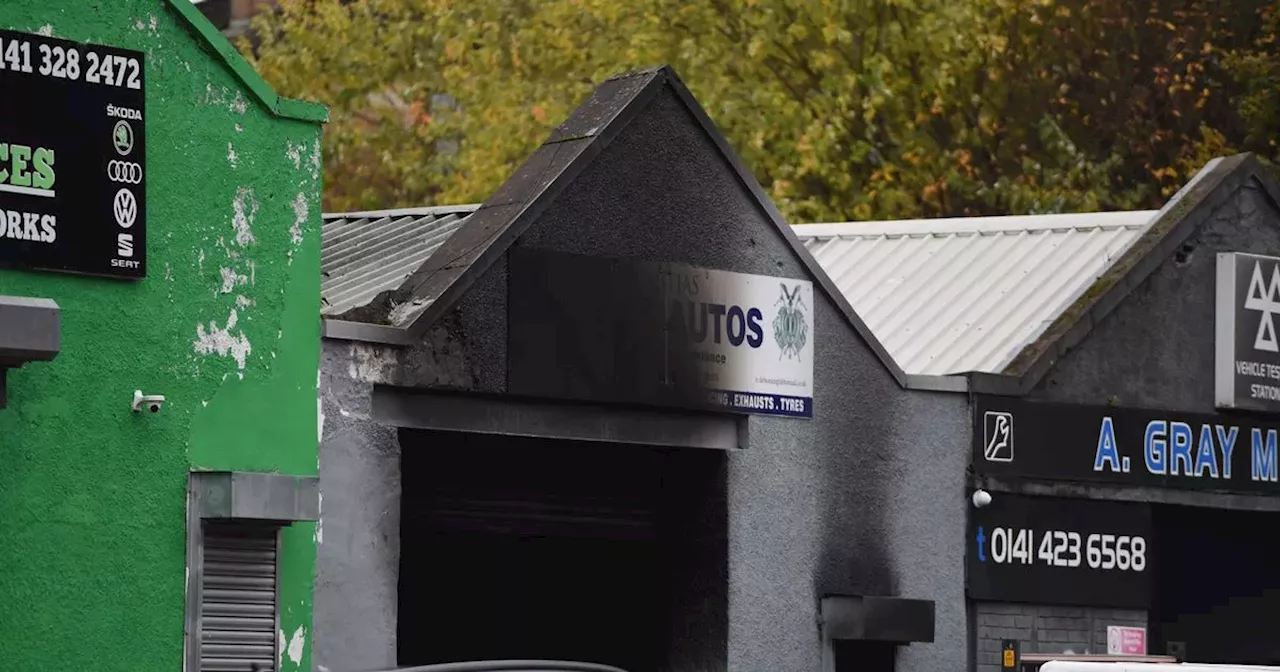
(1216, 587)
(531, 548)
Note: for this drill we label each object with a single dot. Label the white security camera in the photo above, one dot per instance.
(151, 402)
(981, 498)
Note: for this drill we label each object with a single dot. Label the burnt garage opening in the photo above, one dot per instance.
(519, 548)
(1215, 587)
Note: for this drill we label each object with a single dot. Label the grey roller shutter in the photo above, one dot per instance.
(238, 598)
(533, 510)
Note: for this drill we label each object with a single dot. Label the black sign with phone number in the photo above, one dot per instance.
(72, 156)
(1060, 551)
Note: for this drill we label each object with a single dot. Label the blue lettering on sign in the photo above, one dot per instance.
(982, 544)
(1228, 442)
(1206, 460)
(1264, 456)
(1154, 446)
(771, 404)
(1107, 454)
(1172, 448)
(699, 321)
(1180, 436)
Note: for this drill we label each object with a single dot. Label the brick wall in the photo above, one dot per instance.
(1046, 629)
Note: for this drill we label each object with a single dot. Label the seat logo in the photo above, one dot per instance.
(126, 172)
(997, 436)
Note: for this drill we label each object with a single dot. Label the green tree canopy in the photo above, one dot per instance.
(844, 109)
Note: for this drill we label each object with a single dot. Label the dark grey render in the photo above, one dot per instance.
(866, 499)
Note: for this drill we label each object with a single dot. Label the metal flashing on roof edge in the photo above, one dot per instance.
(516, 205)
(263, 496)
(1193, 205)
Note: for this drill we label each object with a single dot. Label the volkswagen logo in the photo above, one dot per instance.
(127, 172)
(125, 207)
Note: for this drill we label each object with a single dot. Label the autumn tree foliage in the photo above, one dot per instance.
(844, 109)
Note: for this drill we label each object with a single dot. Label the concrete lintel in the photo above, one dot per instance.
(30, 330)
(256, 496)
(897, 620)
(510, 416)
(1121, 493)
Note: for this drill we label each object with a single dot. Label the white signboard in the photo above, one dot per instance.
(752, 336)
(1247, 347)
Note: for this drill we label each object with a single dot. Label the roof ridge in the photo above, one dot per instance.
(1129, 219)
(1181, 216)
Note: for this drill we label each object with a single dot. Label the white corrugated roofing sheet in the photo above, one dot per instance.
(365, 253)
(954, 295)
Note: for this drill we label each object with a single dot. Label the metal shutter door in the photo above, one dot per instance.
(238, 598)
(510, 510)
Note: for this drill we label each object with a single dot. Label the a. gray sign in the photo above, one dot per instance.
(1247, 346)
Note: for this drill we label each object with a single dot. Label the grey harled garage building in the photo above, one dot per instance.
(506, 472)
(1122, 371)
(510, 466)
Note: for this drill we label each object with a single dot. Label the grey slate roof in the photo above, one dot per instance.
(363, 254)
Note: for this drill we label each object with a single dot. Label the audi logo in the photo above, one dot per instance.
(127, 172)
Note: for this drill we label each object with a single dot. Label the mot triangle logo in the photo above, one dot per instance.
(1264, 297)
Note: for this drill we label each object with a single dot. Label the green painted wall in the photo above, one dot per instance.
(92, 496)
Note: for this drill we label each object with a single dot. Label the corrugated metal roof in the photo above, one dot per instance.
(365, 253)
(967, 294)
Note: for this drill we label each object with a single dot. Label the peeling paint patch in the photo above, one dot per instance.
(244, 209)
(200, 262)
(211, 340)
(320, 519)
(243, 301)
(300, 212)
(280, 650)
(238, 104)
(294, 153)
(46, 30)
(315, 160)
(232, 157)
(296, 642)
(319, 408)
(154, 23)
(231, 280)
(239, 128)
(369, 362)
(139, 25)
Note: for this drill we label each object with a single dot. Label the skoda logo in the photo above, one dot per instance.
(125, 207)
(127, 172)
(122, 138)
